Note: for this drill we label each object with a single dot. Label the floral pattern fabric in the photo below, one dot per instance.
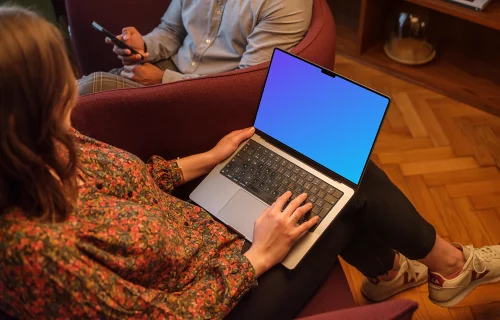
(130, 249)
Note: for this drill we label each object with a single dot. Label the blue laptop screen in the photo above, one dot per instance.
(327, 119)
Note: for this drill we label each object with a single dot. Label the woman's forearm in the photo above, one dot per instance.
(197, 165)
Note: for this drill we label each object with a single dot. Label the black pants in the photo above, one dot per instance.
(378, 221)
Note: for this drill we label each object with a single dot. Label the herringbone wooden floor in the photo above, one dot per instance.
(445, 156)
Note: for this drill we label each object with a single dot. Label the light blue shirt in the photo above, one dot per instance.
(204, 37)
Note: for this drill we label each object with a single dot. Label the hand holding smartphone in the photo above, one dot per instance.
(115, 40)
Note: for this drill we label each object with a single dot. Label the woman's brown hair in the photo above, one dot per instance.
(37, 91)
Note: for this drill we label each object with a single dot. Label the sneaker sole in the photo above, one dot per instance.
(403, 288)
(462, 295)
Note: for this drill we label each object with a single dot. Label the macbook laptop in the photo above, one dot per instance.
(315, 131)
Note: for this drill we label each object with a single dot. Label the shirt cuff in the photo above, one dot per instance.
(172, 76)
(149, 45)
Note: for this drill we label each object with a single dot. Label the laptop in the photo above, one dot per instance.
(315, 131)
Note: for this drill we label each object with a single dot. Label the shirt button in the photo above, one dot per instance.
(186, 224)
(208, 41)
(130, 194)
(155, 201)
(193, 63)
(99, 186)
(219, 12)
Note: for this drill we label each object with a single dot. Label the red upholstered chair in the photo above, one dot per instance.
(94, 55)
(185, 117)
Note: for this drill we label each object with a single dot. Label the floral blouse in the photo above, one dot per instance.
(130, 249)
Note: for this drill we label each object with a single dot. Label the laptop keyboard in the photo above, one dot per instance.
(267, 176)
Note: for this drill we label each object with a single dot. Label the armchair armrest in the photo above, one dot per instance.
(93, 54)
(389, 310)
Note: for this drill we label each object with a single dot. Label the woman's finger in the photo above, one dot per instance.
(295, 204)
(303, 228)
(280, 202)
(300, 212)
(242, 134)
(245, 134)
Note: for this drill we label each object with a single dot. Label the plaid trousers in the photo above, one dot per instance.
(103, 81)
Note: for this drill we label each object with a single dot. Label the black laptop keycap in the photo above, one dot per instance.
(267, 176)
(313, 198)
(314, 190)
(259, 193)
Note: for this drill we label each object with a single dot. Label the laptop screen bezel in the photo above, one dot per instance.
(301, 157)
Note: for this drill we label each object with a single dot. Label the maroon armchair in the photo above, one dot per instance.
(94, 55)
(190, 116)
(222, 103)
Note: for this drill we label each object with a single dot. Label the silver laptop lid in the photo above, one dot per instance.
(323, 119)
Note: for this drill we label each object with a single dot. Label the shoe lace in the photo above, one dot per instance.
(481, 256)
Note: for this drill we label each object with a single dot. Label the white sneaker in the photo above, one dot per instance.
(482, 266)
(411, 274)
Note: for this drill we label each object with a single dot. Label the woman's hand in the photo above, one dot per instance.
(201, 164)
(228, 145)
(276, 231)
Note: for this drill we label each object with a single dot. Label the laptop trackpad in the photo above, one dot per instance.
(241, 212)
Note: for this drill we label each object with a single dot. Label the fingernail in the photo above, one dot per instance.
(251, 129)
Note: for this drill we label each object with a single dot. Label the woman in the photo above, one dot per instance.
(88, 230)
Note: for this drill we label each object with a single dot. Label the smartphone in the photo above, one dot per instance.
(115, 40)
